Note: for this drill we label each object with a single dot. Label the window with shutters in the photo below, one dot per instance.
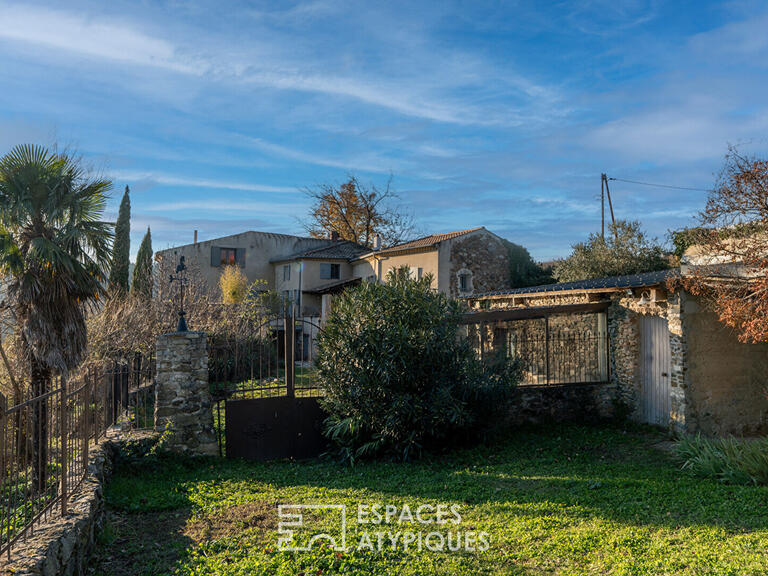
(330, 271)
(228, 257)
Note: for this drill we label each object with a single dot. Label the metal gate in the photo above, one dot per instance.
(655, 369)
(270, 393)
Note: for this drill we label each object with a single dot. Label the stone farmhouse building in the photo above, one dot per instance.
(637, 344)
(308, 272)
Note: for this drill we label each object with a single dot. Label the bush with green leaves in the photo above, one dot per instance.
(730, 460)
(399, 377)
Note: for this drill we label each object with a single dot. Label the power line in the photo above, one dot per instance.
(660, 185)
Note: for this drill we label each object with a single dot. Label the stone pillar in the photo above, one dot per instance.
(678, 392)
(183, 407)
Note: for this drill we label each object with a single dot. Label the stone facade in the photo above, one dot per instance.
(717, 384)
(585, 403)
(482, 255)
(183, 407)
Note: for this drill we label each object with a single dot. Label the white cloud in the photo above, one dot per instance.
(172, 180)
(90, 37)
(225, 205)
(413, 93)
(366, 164)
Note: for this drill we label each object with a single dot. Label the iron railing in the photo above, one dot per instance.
(276, 359)
(45, 438)
(550, 351)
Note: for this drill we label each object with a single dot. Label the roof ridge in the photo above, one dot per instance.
(442, 236)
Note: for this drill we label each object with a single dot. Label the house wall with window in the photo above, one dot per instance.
(461, 263)
(252, 251)
(424, 261)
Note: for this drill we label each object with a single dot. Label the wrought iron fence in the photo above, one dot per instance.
(551, 351)
(276, 359)
(45, 438)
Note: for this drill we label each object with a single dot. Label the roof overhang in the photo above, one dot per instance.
(533, 312)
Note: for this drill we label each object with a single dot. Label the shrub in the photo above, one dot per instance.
(233, 284)
(730, 460)
(398, 376)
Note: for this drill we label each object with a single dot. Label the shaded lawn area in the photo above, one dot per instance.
(562, 500)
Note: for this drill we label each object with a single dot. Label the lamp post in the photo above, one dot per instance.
(181, 278)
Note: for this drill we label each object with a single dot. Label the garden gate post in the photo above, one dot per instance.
(183, 406)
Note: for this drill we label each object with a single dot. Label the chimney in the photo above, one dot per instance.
(334, 236)
(377, 242)
(195, 236)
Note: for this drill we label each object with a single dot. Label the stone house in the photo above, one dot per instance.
(308, 271)
(461, 263)
(643, 346)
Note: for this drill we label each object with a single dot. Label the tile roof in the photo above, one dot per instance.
(427, 241)
(343, 250)
(629, 281)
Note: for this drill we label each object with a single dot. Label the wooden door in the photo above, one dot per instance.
(655, 369)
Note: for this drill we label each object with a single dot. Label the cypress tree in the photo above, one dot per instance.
(121, 249)
(142, 274)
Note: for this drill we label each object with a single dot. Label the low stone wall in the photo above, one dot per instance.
(63, 545)
(568, 403)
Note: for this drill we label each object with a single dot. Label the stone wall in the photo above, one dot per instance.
(63, 545)
(485, 256)
(623, 394)
(584, 403)
(183, 407)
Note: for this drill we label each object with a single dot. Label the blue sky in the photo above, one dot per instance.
(497, 114)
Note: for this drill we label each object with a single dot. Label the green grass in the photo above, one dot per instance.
(563, 500)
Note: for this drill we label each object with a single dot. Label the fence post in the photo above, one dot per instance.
(86, 419)
(3, 433)
(546, 346)
(290, 363)
(63, 441)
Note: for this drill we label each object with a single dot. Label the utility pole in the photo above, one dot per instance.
(605, 190)
(602, 206)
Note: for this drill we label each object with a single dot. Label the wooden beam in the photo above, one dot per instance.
(533, 312)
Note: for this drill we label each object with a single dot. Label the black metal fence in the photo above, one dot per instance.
(45, 438)
(276, 359)
(551, 351)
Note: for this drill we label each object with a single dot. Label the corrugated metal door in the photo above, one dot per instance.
(655, 369)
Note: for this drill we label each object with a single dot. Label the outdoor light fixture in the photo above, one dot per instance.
(181, 278)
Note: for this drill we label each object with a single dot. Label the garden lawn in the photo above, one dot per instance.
(562, 500)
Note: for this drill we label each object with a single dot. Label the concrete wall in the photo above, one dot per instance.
(728, 380)
(364, 268)
(260, 248)
(381, 264)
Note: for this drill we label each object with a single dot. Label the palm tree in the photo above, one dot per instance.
(54, 251)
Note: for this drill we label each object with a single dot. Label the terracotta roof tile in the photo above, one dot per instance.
(428, 241)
